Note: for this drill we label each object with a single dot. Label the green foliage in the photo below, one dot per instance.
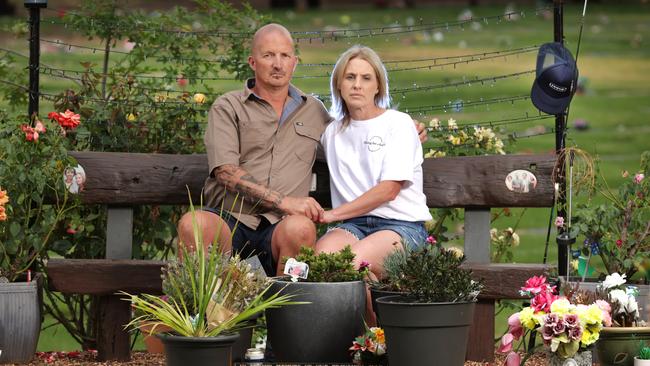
(502, 244)
(31, 182)
(394, 264)
(331, 267)
(644, 353)
(433, 274)
(620, 228)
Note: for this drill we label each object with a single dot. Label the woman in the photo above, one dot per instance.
(375, 164)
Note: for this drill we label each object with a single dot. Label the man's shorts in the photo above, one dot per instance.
(413, 234)
(251, 242)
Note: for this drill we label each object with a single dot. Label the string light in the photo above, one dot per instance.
(320, 35)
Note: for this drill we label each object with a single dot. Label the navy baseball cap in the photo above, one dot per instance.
(556, 80)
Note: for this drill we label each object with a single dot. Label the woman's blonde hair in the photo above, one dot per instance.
(338, 109)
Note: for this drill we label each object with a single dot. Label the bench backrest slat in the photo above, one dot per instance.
(127, 179)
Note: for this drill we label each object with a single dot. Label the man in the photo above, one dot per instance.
(261, 144)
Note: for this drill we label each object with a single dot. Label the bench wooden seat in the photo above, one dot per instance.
(124, 180)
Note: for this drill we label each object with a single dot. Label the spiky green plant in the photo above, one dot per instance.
(207, 293)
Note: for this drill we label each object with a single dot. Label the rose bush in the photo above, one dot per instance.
(33, 198)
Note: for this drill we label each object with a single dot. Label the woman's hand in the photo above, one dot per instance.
(327, 217)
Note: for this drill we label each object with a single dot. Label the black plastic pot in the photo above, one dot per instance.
(375, 294)
(425, 333)
(321, 331)
(198, 351)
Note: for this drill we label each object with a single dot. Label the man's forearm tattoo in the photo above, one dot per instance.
(237, 179)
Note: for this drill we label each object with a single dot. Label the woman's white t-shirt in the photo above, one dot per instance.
(367, 152)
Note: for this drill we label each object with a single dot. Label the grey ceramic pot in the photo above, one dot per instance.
(20, 321)
(321, 331)
(425, 333)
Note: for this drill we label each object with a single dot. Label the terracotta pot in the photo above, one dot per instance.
(153, 343)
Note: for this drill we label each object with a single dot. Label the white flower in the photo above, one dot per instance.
(451, 124)
(620, 297)
(515, 239)
(632, 307)
(434, 123)
(613, 280)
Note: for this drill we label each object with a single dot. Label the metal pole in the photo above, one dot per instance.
(34, 7)
(560, 127)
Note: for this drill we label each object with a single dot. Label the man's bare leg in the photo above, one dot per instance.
(211, 227)
(290, 234)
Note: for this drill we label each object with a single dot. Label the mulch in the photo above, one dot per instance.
(149, 359)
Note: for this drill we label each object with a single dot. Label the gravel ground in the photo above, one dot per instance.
(143, 358)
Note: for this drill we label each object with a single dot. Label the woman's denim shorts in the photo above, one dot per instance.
(413, 233)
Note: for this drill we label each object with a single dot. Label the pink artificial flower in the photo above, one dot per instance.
(547, 332)
(514, 326)
(606, 309)
(506, 343)
(575, 333)
(513, 359)
(364, 265)
(559, 221)
(431, 239)
(638, 178)
(535, 285)
(571, 320)
(542, 301)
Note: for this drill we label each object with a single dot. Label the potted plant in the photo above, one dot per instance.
(569, 325)
(321, 330)
(389, 284)
(619, 341)
(430, 323)
(618, 231)
(33, 203)
(210, 297)
(370, 347)
(643, 358)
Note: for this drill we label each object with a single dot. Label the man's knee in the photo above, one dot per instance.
(298, 230)
(205, 222)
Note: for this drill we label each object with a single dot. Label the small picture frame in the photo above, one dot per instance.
(296, 269)
(74, 179)
(521, 181)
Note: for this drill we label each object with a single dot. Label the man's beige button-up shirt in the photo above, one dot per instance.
(244, 130)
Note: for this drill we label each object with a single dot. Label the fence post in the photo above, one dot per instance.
(560, 132)
(34, 7)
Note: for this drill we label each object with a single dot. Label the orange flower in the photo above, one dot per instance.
(4, 198)
(67, 119)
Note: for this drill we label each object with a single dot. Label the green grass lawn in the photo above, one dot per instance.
(613, 62)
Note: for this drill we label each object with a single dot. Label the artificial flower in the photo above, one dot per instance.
(535, 285)
(561, 306)
(613, 280)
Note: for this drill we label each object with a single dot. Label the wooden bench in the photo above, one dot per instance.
(124, 180)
